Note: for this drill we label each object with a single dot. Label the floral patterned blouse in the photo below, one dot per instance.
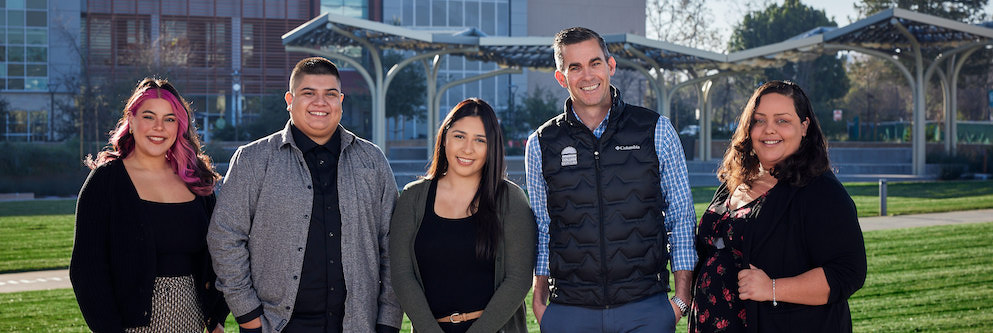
(716, 307)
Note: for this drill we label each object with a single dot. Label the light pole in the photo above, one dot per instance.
(511, 115)
(236, 108)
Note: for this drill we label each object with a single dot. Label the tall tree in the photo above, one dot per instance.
(683, 22)
(687, 23)
(4, 108)
(824, 78)
(969, 11)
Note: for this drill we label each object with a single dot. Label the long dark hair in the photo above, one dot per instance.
(186, 156)
(491, 184)
(740, 166)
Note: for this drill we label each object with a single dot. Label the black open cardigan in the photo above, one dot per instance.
(799, 229)
(113, 258)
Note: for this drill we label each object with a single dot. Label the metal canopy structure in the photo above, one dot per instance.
(903, 38)
(896, 35)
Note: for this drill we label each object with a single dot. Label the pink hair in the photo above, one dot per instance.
(182, 156)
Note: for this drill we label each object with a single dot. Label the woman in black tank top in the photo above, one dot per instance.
(139, 260)
(462, 239)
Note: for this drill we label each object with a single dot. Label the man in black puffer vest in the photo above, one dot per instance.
(607, 182)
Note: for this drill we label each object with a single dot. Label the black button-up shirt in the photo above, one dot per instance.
(320, 302)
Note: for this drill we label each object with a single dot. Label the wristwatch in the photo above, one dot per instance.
(683, 308)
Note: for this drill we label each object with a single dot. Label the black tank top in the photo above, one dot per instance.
(179, 231)
(454, 279)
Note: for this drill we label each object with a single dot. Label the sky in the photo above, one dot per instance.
(732, 11)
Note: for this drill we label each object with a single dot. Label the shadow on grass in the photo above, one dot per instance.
(38, 207)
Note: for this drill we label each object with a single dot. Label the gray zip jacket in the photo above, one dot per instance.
(258, 232)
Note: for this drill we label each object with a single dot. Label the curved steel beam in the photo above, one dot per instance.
(431, 71)
(642, 56)
(441, 91)
(653, 81)
(948, 55)
(436, 101)
(952, 131)
(661, 100)
(918, 141)
(349, 60)
(703, 103)
(392, 73)
(903, 69)
(378, 92)
(680, 85)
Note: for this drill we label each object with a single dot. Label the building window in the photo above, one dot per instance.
(248, 56)
(98, 43)
(36, 19)
(131, 40)
(196, 42)
(24, 125)
(350, 8)
(36, 36)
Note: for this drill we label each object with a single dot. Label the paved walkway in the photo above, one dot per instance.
(56, 279)
(37, 280)
(923, 220)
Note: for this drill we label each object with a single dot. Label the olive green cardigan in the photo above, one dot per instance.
(514, 261)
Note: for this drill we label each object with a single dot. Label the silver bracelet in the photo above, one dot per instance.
(774, 303)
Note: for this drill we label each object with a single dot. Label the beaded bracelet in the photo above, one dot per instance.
(774, 303)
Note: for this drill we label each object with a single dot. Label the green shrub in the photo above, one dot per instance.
(42, 168)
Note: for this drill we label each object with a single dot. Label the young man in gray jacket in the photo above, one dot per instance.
(299, 234)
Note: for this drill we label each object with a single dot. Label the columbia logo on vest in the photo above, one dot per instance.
(628, 147)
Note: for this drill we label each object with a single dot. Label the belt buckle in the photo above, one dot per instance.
(451, 318)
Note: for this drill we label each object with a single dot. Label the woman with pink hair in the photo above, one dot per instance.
(140, 260)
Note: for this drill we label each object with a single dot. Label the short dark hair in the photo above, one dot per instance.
(575, 35)
(810, 160)
(313, 66)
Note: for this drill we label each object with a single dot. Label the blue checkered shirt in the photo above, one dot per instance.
(680, 218)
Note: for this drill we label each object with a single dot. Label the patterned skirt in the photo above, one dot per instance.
(175, 307)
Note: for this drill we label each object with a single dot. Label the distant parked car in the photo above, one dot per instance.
(690, 130)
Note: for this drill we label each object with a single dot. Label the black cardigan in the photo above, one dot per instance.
(799, 229)
(113, 258)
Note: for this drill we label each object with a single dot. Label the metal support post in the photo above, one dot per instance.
(882, 197)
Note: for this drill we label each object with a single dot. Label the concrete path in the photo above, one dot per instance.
(923, 220)
(37, 280)
(56, 279)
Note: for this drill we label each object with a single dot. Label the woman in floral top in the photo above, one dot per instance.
(780, 246)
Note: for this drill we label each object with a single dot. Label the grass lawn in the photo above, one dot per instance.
(920, 280)
(927, 279)
(35, 235)
(902, 198)
(38, 235)
(922, 197)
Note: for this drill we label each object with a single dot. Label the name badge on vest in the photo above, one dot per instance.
(569, 156)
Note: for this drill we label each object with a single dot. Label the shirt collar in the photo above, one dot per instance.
(599, 128)
(305, 144)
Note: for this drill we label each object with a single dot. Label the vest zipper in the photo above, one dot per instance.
(603, 237)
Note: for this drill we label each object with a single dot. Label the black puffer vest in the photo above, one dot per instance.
(608, 238)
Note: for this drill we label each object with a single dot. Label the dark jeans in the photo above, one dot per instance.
(651, 314)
